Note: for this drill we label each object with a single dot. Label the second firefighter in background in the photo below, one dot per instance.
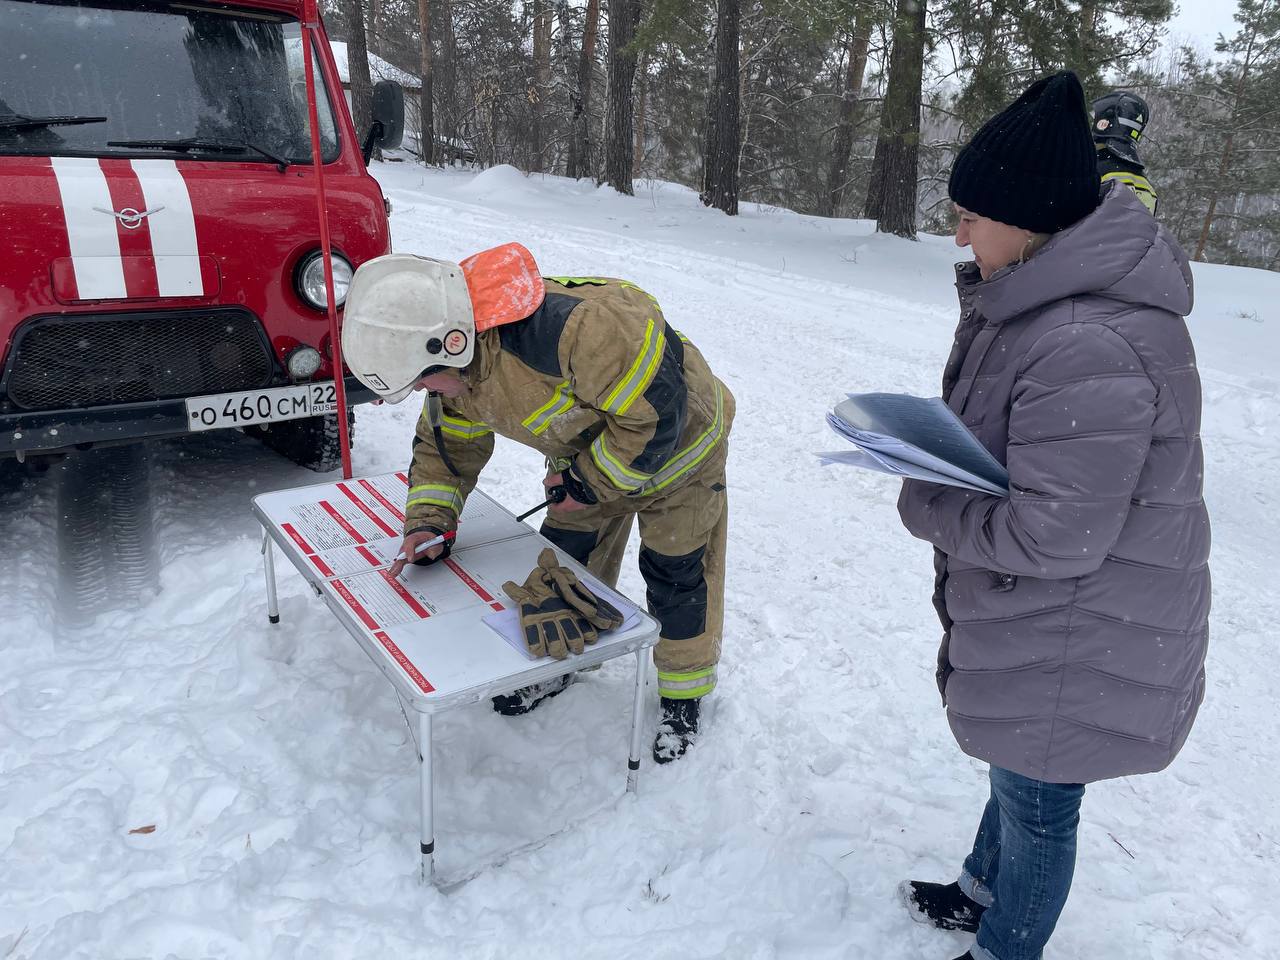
(1119, 119)
(586, 370)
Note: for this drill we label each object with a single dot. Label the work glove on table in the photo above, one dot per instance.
(551, 627)
(597, 611)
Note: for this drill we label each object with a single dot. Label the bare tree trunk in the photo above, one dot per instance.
(842, 144)
(446, 73)
(720, 179)
(709, 111)
(565, 42)
(896, 166)
(426, 116)
(1224, 162)
(624, 16)
(541, 80)
(580, 141)
(641, 103)
(358, 70)
(374, 26)
(1086, 46)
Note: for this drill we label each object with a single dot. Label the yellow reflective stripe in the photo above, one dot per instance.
(436, 495)
(622, 477)
(691, 675)
(686, 686)
(600, 282)
(1138, 183)
(692, 694)
(646, 378)
(1135, 180)
(628, 285)
(464, 429)
(579, 281)
(692, 455)
(637, 379)
(561, 402)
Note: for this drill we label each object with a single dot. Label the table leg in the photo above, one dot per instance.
(637, 717)
(269, 563)
(427, 840)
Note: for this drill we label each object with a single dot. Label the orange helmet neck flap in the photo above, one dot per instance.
(504, 284)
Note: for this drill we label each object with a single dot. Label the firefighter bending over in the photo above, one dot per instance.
(632, 421)
(1118, 121)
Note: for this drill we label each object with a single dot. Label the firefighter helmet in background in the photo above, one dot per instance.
(1118, 121)
(405, 315)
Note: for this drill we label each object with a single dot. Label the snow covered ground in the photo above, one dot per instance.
(275, 766)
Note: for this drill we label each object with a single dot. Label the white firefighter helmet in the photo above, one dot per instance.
(404, 315)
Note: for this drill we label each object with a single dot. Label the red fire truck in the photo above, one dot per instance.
(161, 269)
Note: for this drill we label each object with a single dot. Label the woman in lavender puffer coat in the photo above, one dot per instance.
(1075, 610)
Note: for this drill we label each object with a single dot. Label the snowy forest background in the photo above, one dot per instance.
(849, 108)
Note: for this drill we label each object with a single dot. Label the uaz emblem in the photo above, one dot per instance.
(129, 218)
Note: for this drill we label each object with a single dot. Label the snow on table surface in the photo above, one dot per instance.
(276, 768)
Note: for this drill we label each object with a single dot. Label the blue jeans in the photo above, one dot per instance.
(1021, 865)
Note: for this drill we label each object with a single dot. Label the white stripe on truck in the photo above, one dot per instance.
(173, 229)
(94, 241)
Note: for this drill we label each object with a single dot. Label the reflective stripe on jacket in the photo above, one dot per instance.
(1132, 176)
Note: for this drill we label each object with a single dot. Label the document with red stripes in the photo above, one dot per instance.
(344, 536)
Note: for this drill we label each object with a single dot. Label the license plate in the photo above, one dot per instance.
(261, 406)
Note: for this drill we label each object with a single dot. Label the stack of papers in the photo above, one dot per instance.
(914, 437)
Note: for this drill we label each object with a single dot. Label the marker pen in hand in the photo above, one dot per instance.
(428, 544)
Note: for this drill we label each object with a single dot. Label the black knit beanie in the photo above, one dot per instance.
(1033, 165)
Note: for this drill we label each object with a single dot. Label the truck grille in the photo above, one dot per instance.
(94, 360)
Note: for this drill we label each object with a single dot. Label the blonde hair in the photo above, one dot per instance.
(1033, 244)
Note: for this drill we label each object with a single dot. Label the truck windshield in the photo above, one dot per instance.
(155, 72)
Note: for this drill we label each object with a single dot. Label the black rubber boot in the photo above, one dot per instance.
(528, 698)
(677, 728)
(941, 905)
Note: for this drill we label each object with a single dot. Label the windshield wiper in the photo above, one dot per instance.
(188, 144)
(18, 121)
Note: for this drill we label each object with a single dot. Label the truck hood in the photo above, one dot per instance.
(88, 229)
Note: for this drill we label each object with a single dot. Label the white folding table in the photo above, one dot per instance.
(427, 630)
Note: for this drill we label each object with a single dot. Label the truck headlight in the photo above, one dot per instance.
(309, 279)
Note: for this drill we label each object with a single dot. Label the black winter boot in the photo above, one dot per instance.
(677, 728)
(528, 698)
(942, 905)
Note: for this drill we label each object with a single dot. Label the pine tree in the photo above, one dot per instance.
(624, 17)
(1245, 89)
(358, 69)
(891, 198)
(859, 39)
(1001, 47)
(540, 90)
(426, 113)
(445, 79)
(580, 163)
(720, 164)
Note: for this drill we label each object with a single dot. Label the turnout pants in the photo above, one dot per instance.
(682, 544)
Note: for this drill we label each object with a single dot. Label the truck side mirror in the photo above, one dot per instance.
(388, 118)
